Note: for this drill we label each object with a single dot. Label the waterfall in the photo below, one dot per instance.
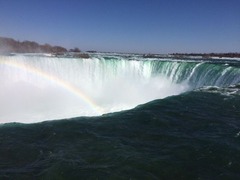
(36, 88)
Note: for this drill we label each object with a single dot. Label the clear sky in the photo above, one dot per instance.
(144, 26)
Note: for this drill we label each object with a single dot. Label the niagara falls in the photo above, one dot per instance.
(119, 90)
(39, 87)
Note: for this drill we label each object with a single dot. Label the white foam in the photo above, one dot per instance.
(111, 85)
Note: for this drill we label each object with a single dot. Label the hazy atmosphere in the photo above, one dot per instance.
(110, 89)
(142, 26)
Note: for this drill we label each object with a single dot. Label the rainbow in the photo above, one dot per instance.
(59, 82)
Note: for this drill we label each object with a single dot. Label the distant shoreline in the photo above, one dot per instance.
(9, 45)
(189, 56)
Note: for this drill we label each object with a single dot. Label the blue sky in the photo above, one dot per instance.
(143, 26)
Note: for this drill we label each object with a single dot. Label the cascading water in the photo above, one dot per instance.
(37, 88)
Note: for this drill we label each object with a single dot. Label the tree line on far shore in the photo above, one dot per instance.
(208, 55)
(9, 45)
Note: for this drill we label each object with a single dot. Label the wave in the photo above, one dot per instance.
(199, 130)
(36, 88)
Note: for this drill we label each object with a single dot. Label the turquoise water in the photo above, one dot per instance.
(188, 134)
